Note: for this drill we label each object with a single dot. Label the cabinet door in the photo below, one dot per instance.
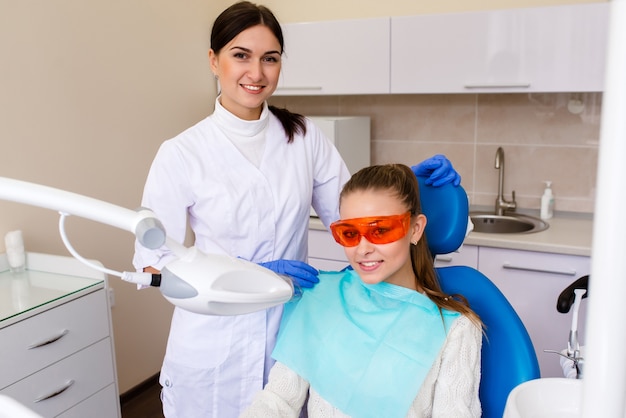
(467, 255)
(324, 252)
(547, 49)
(336, 57)
(532, 282)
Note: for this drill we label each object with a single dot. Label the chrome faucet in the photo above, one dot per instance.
(501, 203)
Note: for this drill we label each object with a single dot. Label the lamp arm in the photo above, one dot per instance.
(142, 223)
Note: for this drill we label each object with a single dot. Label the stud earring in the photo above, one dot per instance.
(414, 242)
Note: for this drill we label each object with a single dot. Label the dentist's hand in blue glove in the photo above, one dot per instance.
(439, 171)
(301, 273)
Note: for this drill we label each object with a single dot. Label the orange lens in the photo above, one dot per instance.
(376, 229)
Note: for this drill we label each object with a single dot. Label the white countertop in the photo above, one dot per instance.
(566, 235)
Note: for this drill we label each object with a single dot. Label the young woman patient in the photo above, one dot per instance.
(380, 339)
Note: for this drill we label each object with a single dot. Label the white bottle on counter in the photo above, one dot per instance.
(547, 202)
(16, 257)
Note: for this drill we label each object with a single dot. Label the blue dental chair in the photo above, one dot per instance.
(508, 355)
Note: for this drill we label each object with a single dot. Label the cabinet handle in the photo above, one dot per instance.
(497, 85)
(57, 392)
(300, 88)
(49, 340)
(444, 258)
(509, 266)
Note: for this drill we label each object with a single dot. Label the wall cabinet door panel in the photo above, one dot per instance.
(336, 57)
(544, 49)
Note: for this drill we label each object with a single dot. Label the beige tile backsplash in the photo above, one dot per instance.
(544, 137)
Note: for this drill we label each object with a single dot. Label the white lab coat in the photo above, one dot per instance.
(214, 365)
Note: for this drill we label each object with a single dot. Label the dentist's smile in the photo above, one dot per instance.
(252, 88)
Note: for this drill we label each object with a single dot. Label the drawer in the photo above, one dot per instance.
(517, 262)
(78, 323)
(467, 255)
(105, 402)
(83, 374)
(323, 245)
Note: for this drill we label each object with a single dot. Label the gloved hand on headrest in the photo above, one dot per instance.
(302, 274)
(438, 170)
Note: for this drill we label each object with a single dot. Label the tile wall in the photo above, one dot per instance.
(544, 136)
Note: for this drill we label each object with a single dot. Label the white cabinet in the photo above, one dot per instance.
(335, 57)
(532, 282)
(324, 252)
(467, 255)
(56, 349)
(544, 49)
(350, 135)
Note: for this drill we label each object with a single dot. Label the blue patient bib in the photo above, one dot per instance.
(366, 349)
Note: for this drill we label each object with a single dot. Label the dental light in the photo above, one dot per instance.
(209, 284)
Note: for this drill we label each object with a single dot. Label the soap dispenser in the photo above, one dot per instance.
(547, 202)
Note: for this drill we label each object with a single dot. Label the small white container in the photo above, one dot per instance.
(16, 257)
(547, 202)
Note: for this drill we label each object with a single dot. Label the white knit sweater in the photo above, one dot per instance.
(449, 390)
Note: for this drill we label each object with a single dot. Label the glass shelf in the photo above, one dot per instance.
(38, 288)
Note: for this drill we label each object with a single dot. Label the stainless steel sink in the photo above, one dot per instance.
(513, 223)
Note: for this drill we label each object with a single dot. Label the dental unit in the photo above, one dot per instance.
(211, 284)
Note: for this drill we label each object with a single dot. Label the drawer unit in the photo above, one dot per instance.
(56, 345)
(51, 336)
(532, 282)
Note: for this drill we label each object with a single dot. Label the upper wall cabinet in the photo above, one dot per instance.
(336, 57)
(545, 49)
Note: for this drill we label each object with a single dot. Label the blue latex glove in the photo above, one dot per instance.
(301, 273)
(439, 171)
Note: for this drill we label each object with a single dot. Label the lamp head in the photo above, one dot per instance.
(214, 284)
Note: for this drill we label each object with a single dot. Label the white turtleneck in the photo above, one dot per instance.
(247, 135)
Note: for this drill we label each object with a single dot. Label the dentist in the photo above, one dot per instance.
(244, 178)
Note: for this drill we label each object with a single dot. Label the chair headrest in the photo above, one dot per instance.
(447, 210)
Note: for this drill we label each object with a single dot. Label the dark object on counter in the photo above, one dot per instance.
(566, 298)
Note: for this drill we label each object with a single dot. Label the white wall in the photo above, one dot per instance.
(88, 91)
(313, 10)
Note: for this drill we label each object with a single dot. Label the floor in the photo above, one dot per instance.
(143, 401)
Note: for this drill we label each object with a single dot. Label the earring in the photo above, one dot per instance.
(216, 76)
(414, 242)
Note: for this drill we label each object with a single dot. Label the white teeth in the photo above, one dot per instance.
(369, 263)
(255, 88)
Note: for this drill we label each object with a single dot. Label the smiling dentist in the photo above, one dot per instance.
(245, 178)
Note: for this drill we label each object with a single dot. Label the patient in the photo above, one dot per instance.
(379, 339)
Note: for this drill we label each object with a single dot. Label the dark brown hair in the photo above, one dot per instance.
(400, 180)
(239, 17)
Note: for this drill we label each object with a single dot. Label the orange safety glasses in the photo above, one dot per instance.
(376, 229)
